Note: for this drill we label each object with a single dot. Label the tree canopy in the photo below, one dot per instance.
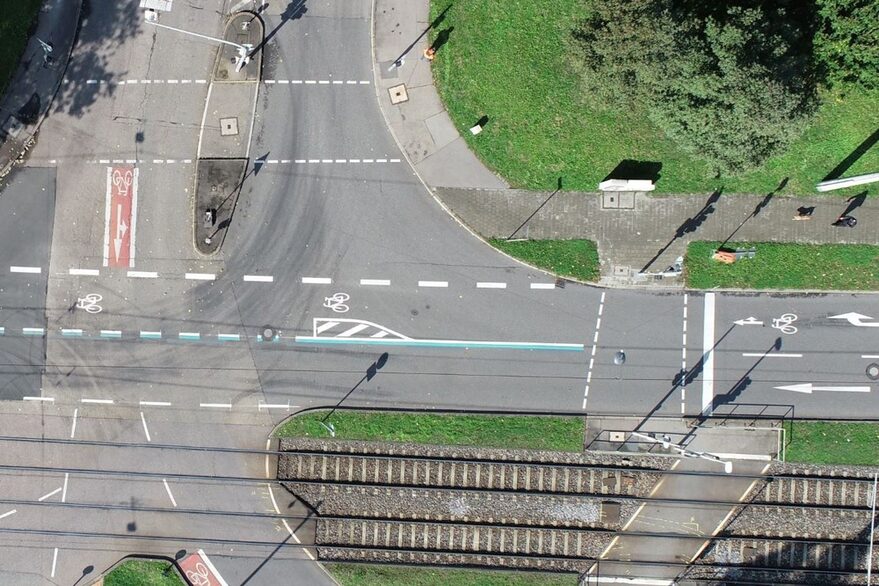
(731, 82)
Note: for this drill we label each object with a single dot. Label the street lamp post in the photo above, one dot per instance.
(666, 443)
(244, 51)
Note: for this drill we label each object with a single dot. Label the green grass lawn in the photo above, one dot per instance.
(143, 573)
(568, 258)
(508, 61)
(366, 575)
(786, 266)
(827, 442)
(525, 432)
(15, 20)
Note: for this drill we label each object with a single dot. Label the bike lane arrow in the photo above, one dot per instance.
(809, 387)
(751, 321)
(856, 319)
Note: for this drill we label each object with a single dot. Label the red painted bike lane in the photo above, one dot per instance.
(199, 570)
(120, 220)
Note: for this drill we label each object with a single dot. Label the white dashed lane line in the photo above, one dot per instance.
(143, 274)
(84, 272)
(543, 285)
(485, 285)
(259, 278)
(200, 276)
(30, 270)
(375, 282)
(316, 281)
(594, 348)
(437, 284)
(267, 162)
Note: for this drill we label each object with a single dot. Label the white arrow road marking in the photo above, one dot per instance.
(809, 387)
(856, 319)
(751, 321)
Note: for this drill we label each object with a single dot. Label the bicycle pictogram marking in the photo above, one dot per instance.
(123, 179)
(784, 322)
(90, 303)
(200, 576)
(337, 302)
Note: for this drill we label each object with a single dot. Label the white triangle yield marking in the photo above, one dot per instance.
(324, 327)
(352, 331)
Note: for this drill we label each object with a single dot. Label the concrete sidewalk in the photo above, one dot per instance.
(639, 236)
(34, 84)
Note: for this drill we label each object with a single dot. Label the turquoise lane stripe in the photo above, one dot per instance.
(444, 344)
(189, 336)
(2, 331)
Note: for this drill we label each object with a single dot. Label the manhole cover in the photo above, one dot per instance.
(873, 371)
(268, 333)
(399, 94)
(228, 126)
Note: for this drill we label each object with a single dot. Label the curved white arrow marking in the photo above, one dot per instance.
(809, 387)
(856, 319)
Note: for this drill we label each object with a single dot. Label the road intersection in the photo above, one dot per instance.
(338, 250)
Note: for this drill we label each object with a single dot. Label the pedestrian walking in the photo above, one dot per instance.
(429, 53)
(846, 221)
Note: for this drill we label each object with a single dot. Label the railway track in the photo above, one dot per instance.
(457, 507)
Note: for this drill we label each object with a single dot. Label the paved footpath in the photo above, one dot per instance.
(636, 235)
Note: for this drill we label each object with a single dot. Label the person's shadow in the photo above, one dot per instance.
(442, 38)
(854, 202)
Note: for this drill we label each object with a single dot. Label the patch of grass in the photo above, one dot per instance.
(143, 573)
(832, 442)
(568, 258)
(15, 20)
(786, 266)
(524, 432)
(510, 61)
(367, 575)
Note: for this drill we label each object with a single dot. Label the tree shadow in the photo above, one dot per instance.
(98, 35)
(853, 157)
(294, 10)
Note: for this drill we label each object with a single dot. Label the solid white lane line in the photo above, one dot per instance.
(54, 562)
(869, 355)
(490, 285)
(316, 281)
(8, 513)
(47, 399)
(84, 272)
(97, 401)
(109, 196)
(684, 359)
(145, 430)
(268, 446)
(376, 282)
(143, 274)
(32, 270)
(64, 487)
(200, 276)
(543, 285)
(594, 348)
(155, 404)
(259, 278)
(49, 495)
(708, 353)
(771, 355)
(433, 284)
(73, 426)
(168, 490)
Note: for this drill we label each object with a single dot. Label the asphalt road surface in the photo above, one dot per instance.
(338, 249)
